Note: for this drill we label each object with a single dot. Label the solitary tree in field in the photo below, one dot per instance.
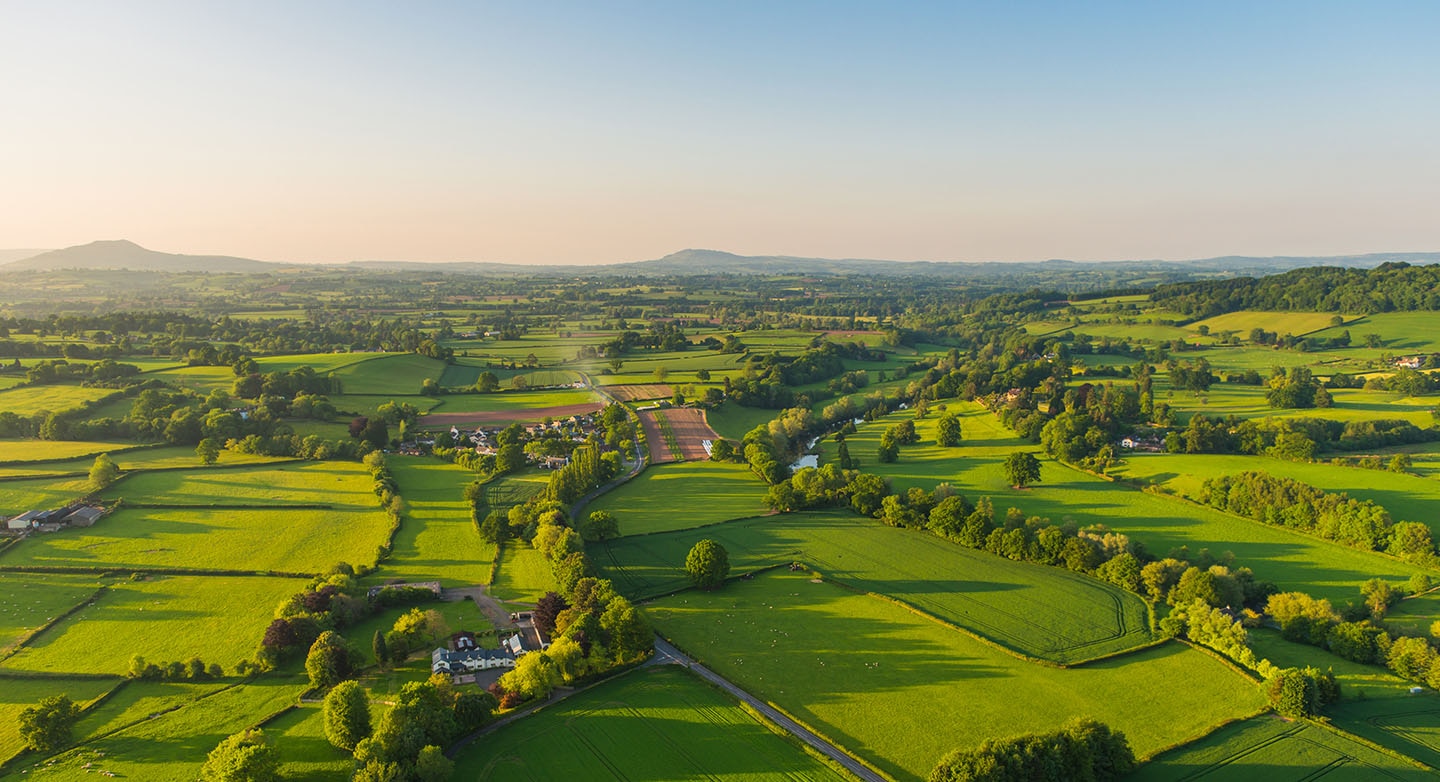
(602, 525)
(947, 431)
(103, 472)
(1022, 469)
(47, 725)
(347, 715)
(208, 450)
(708, 564)
(244, 757)
(487, 382)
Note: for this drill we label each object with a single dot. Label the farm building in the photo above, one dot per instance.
(85, 516)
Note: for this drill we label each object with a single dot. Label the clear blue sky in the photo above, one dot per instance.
(601, 132)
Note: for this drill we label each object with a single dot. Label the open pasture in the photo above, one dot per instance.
(524, 575)
(733, 421)
(18, 694)
(1282, 323)
(29, 400)
(137, 700)
(158, 457)
(1407, 497)
(1350, 404)
(1267, 747)
(29, 600)
(243, 540)
(306, 755)
(172, 747)
(163, 618)
(1290, 559)
(688, 729)
(402, 374)
(437, 541)
(1036, 610)
(1400, 332)
(342, 485)
(464, 375)
(18, 496)
(25, 451)
(515, 488)
(680, 496)
(836, 660)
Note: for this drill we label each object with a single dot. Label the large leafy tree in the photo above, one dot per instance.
(47, 726)
(1022, 469)
(247, 756)
(708, 564)
(328, 662)
(347, 715)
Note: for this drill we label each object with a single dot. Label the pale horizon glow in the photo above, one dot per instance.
(599, 133)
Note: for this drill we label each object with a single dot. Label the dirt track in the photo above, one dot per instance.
(508, 416)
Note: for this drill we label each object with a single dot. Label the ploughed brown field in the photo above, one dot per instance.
(689, 428)
(509, 416)
(632, 392)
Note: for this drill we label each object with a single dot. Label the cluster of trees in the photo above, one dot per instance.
(589, 468)
(1409, 382)
(387, 491)
(105, 372)
(1385, 288)
(894, 436)
(329, 602)
(1297, 439)
(1296, 387)
(592, 629)
(193, 669)
(1334, 516)
(405, 744)
(49, 724)
(1081, 749)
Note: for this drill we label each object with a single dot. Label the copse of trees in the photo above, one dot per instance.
(1385, 288)
(1081, 749)
(48, 725)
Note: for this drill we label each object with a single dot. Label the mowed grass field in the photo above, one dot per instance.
(18, 496)
(1269, 748)
(403, 373)
(163, 618)
(18, 694)
(1401, 332)
(732, 421)
(1282, 323)
(171, 747)
(264, 536)
(659, 723)
(163, 457)
(53, 450)
(684, 495)
(1407, 497)
(437, 541)
(901, 690)
(306, 755)
(29, 600)
(1040, 611)
(1290, 559)
(523, 576)
(29, 400)
(1350, 404)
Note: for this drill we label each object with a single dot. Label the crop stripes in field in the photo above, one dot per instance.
(668, 434)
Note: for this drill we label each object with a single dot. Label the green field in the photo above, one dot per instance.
(513, 400)
(524, 575)
(53, 450)
(342, 485)
(29, 600)
(29, 400)
(18, 496)
(732, 421)
(1269, 748)
(18, 694)
(398, 374)
(137, 700)
(1290, 559)
(683, 495)
(1282, 323)
(172, 747)
(1407, 497)
(1402, 332)
(1350, 404)
(164, 618)
(437, 540)
(687, 729)
(837, 660)
(306, 755)
(1041, 611)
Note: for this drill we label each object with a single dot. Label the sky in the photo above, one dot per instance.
(598, 132)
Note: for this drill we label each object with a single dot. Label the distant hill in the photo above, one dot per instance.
(6, 256)
(122, 254)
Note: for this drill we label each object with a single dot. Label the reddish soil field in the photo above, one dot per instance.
(853, 335)
(630, 393)
(688, 426)
(508, 416)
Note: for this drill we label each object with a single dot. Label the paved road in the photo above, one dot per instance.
(641, 459)
(665, 653)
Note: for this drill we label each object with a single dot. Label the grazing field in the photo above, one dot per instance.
(836, 660)
(631, 393)
(29, 400)
(1407, 497)
(732, 421)
(341, 485)
(1350, 404)
(437, 540)
(466, 375)
(1290, 559)
(18, 496)
(18, 694)
(680, 496)
(687, 729)
(514, 488)
(1267, 747)
(220, 620)
(1041, 611)
(397, 374)
(1400, 332)
(137, 700)
(53, 450)
(172, 747)
(246, 540)
(307, 755)
(524, 574)
(510, 407)
(1282, 323)
(29, 600)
